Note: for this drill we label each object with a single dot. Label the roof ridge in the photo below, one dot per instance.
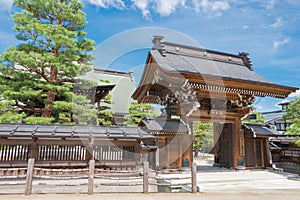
(200, 49)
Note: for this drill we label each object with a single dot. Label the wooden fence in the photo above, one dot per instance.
(17, 155)
(98, 178)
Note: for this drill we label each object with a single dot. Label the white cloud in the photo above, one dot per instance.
(143, 6)
(167, 7)
(279, 22)
(245, 27)
(212, 8)
(162, 7)
(119, 4)
(295, 94)
(279, 43)
(6, 5)
(270, 4)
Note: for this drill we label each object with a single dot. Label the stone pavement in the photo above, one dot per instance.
(232, 195)
(211, 178)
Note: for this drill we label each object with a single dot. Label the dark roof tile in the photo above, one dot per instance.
(18, 130)
(261, 130)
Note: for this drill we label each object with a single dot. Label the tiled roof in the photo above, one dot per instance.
(181, 58)
(270, 117)
(58, 131)
(162, 124)
(261, 130)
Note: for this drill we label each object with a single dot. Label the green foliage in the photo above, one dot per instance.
(10, 114)
(260, 119)
(293, 111)
(203, 136)
(137, 111)
(84, 112)
(37, 76)
(104, 111)
(293, 116)
(39, 120)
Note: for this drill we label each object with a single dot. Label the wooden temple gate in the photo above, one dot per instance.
(209, 86)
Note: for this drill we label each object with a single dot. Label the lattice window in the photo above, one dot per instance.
(61, 153)
(114, 153)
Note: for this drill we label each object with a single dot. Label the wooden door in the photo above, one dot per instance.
(226, 146)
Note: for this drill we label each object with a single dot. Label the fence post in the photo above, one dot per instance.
(28, 186)
(146, 177)
(91, 177)
(194, 178)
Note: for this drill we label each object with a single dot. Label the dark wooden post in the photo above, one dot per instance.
(216, 142)
(146, 177)
(33, 150)
(255, 152)
(91, 177)
(262, 153)
(194, 178)
(89, 150)
(28, 186)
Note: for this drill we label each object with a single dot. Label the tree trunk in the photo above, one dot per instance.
(48, 107)
(51, 94)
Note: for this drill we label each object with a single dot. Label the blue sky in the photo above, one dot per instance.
(268, 30)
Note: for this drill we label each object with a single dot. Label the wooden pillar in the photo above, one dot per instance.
(29, 175)
(194, 178)
(190, 149)
(190, 141)
(138, 152)
(91, 177)
(269, 155)
(157, 165)
(180, 152)
(146, 178)
(255, 153)
(34, 150)
(89, 150)
(216, 142)
(236, 141)
(167, 153)
(262, 153)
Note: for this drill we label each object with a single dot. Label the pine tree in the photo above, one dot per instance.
(203, 136)
(137, 111)
(293, 116)
(37, 76)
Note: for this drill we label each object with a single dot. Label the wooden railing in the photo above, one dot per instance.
(15, 155)
(14, 152)
(98, 178)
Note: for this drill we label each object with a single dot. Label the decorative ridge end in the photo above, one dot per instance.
(246, 60)
(158, 44)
